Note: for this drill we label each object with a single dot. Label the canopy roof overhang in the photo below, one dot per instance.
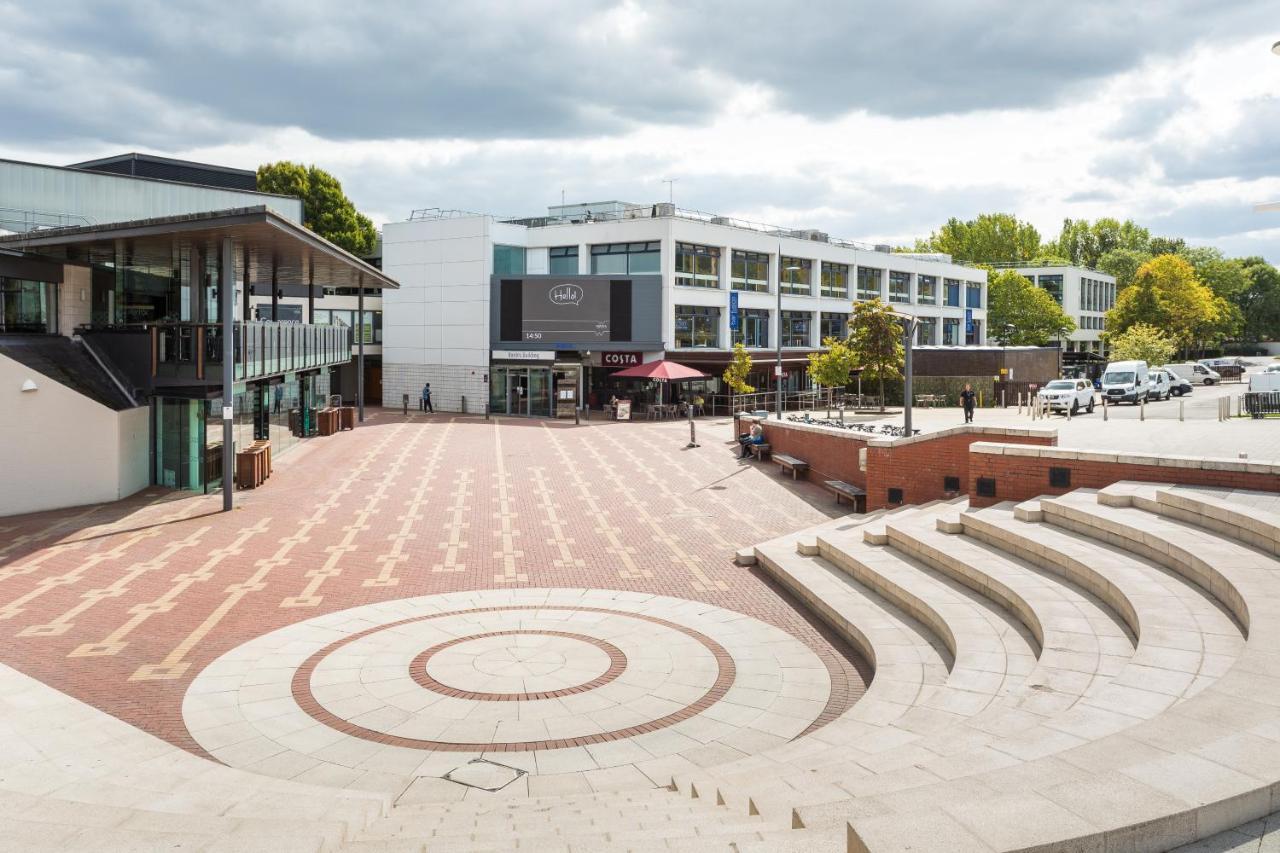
(267, 247)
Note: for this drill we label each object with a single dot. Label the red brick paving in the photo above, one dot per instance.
(122, 604)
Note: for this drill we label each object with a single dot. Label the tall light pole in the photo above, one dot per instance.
(777, 371)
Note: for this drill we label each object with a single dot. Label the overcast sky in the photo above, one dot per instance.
(873, 121)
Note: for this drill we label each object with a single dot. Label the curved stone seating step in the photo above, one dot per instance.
(1246, 516)
(1204, 765)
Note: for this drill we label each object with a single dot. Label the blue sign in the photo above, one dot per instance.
(968, 321)
(733, 310)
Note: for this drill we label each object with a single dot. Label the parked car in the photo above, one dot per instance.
(1179, 386)
(1068, 395)
(1195, 372)
(1125, 382)
(1159, 385)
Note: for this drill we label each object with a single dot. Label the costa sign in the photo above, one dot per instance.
(620, 359)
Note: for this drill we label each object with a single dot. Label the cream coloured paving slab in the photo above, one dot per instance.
(555, 682)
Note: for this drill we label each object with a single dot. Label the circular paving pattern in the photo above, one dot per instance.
(557, 681)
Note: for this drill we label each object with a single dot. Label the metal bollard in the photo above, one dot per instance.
(1104, 409)
(1181, 403)
(405, 403)
(1142, 410)
(1002, 405)
(1069, 412)
(464, 404)
(576, 415)
(1019, 402)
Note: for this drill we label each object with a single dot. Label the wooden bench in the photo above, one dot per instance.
(792, 464)
(760, 451)
(856, 496)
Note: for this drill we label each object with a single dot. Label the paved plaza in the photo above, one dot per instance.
(415, 562)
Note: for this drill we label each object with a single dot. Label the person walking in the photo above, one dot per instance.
(968, 399)
(426, 399)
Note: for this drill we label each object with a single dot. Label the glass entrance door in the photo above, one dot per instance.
(540, 392)
(517, 391)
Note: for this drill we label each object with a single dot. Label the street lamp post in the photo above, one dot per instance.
(777, 371)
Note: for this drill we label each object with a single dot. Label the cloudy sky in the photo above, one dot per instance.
(873, 121)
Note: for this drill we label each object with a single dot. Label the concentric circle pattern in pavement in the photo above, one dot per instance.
(551, 681)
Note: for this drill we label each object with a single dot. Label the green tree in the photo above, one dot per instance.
(1084, 243)
(1260, 302)
(1021, 314)
(990, 238)
(1224, 276)
(875, 336)
(1141, 342)
(1166, 246)
(1167, 294)
(326, 209)
(735, 375)
(830, 368)
(1123, 264)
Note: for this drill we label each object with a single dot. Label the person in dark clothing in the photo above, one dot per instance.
(278, 398)
(968, 399)
(426, 399)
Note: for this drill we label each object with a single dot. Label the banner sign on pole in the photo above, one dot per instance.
(733, 310)
(968, 321)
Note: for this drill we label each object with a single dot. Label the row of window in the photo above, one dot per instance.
(698, 327)
(1098, 323)
(1097, 295)
(700, 266)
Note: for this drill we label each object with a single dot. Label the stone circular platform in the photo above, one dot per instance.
(549, 681)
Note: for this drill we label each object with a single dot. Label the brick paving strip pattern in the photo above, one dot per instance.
(122, 605)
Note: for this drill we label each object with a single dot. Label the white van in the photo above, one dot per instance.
(1195, 372)
(1125, 382)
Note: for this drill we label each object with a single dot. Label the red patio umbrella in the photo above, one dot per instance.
(661, 371)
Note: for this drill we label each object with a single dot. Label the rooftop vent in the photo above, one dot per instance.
(810, 234)
(884, 247)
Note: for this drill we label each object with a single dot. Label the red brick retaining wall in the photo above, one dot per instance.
(918, 465)
(1021, 473)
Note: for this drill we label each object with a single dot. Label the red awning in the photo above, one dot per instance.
(664, 370)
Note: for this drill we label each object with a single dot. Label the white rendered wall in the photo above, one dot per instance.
(58, 448)
(435, 327)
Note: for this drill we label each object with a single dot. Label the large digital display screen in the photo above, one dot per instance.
(568, 311)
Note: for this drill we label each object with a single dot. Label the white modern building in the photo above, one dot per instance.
(1086, 295)
(473, 315)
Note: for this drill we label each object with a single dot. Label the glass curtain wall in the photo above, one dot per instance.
(869, 283)
(753, 328)
(835, 280)
(697, 327)
(750, 271)
(626, 258)
(795, 276)
(697, 266)
(28, 307)
(508, 260)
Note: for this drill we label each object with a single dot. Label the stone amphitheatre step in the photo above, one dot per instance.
(1249, 517)
(1205, 764)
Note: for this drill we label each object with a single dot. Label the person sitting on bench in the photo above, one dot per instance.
(756, 436)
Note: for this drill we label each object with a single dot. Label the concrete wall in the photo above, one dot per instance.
(58, 448)
(74, 298)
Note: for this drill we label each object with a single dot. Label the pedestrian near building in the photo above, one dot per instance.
(426, 399)
(968, 399)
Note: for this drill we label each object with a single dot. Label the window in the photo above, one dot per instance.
(795, 276)
(899, 286)
(795, 328)
(1084, 294)
(1053, 284)
(951, 332)
(986, 487)
(927, 289)
(833, 325)
(951, 287)
(927, 331)
(28, 306)
(869, 283)
(697, 266)
(973, 294)
(835, 280)
(626, 258)
(508, 260)
(750, 271)
(697, 326)
(564, 260)
(753, 328)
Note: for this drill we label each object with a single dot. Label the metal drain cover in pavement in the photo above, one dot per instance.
(484, 774)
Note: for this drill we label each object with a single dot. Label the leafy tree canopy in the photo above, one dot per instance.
(990, 238)
(1021, 314)
(1123, 264)
(1084, 243)
(875, 336)
(326, 210)
(1260, 301)
(735, 375)
(1167, 294)
(830, 368)
(1226, 277)
(1142, 342)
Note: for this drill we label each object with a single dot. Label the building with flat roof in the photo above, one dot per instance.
(518, 313)
(1086, 295)
(168, 169)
